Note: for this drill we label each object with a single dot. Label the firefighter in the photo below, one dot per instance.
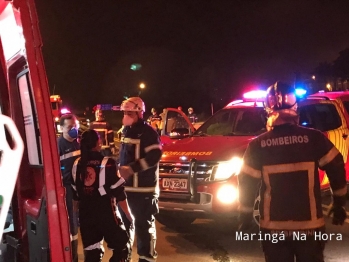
(192, 116)
(140, 154)
(154, 120)
(69, 151)
(106, 133)
(283, 163)
(98, 188)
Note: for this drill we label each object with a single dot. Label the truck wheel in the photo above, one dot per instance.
(175, 220)
(256, 214)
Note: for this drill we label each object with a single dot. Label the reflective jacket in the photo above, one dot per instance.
(141, 150)
(155, 121)
(284, 162)
(105, 132)
(101, 182)
(193, 118)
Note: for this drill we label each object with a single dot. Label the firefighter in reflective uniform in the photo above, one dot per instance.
(155, 120)
(283, 163)
(69, 151)
(140, 154)
(98, 188)
(105, 132)
(192, 116)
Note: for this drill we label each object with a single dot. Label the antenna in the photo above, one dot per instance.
(54, 87)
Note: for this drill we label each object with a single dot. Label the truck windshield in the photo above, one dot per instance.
(235, 122)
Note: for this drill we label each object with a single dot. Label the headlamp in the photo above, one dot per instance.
(229, 168)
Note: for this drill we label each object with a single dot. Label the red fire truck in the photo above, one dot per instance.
(198, 169)
(40, 225)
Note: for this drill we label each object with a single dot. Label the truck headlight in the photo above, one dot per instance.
(56, 119)
(227, 194)
(229, 168)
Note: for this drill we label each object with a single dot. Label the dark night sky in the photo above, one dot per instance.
(192, 52)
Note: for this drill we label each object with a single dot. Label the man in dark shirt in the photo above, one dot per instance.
(69, 150)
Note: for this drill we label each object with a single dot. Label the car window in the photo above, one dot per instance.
(323, 117)
(235, 121)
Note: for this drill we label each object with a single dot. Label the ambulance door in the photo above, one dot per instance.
(174, 125)
(328, 117)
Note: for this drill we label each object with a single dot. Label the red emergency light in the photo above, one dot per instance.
(255, 95)
(65, 111)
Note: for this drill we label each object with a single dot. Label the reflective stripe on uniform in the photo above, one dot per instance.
(328, 157)
(275, 170)
(340, 192)
(130, 141)
(73, 238)
(74, 168)
(151, 147)
(70, 154)
(143, 164)
(119, 183)
(140, 189)
(98, 245)
(102, 176)
(251, 171)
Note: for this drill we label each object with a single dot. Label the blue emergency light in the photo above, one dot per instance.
(300, 92)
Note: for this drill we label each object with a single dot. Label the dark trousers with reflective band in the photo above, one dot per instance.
(309, 250)
(73, 221)
(96, 225)
(143, 209)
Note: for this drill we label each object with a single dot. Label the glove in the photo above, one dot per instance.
(338, 210)
(245, 222)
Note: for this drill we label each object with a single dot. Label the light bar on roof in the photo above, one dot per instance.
(65, 111)
(255, 94)
(300, 92)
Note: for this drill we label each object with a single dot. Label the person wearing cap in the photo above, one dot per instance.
(140, 154)
(105, 131)
(192, 116)
(283, 165)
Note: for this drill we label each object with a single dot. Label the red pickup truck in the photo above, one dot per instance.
(199, 168)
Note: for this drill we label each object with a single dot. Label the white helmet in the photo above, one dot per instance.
(133, 104)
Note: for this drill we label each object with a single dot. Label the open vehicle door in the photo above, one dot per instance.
(175, 125)
(40, 222)
(327, 116)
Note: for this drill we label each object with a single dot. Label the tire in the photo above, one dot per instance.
(173, 220)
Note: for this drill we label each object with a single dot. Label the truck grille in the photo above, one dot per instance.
(179, 181)
(181, 170)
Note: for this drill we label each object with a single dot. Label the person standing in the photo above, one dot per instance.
(105, 132)
(283, 163)
(140, 154)
(69, 151)
(154, 120)
(192, 116)
(99, 189)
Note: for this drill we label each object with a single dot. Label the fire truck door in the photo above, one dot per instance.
(174, 124)
(29, 200)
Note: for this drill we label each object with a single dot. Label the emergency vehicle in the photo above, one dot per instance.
(199, 169)
(40, 224)
(56, 105)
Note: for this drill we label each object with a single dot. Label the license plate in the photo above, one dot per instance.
(175, 184)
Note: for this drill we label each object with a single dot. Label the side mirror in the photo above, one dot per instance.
(178, 133)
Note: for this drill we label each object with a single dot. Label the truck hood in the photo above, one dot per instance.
(209, 148)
